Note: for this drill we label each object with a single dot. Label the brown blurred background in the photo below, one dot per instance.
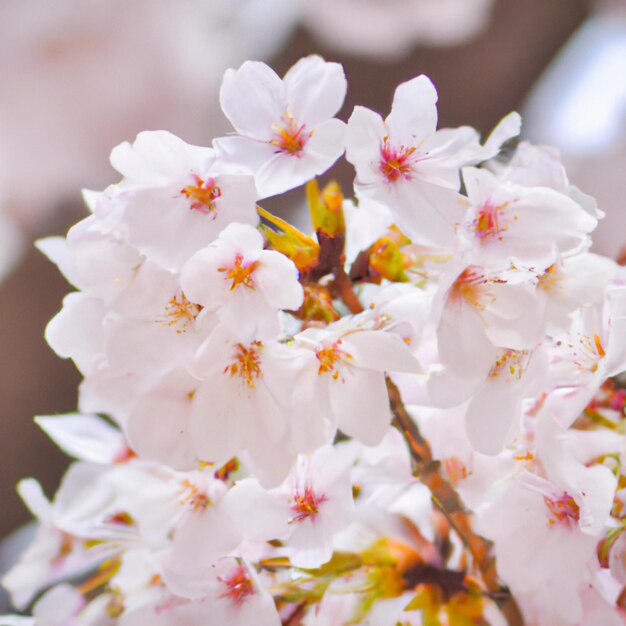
(478, 82)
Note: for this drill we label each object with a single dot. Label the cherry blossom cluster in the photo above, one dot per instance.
(409, 414)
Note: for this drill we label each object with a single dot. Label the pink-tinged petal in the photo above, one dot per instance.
(447, 389)
(312, 549)
(507, 128)
(76, 331)
(148, 347)
(237, 202)
(413, 114)
(201, 538)
(462, 341)
(326, 145)
(381, 351)
(156, 217)
(277, 278)
(158, 426)
(269, 461)
(364, 416)
(108, 392)
(253, 99)
(243, 153)
(315, 90)
(364, 138)
(84, 437)
(492, 412)
(156, 157)
(258, 514)
(216, 421)
(35, 499)
(429, 214)
(200, 278)
(244, 239)
(285, 171)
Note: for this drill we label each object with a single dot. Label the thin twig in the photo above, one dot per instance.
(450, 504)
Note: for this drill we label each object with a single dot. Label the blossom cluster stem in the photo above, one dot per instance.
(449, 503)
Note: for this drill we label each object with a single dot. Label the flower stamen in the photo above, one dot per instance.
(290, 138)
(240, 273)
(247, 363)
(203, 195)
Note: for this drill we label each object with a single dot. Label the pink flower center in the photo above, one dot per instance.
(202, 195)
(510, 363)
(181, 312)
(240, 273)
(396, 163)
(563, 510)
(487, 223)
(306, 504)
(194, 497)
(331, 356)
(289, 136)
(239, 585)
(247, 363)
(471, 286)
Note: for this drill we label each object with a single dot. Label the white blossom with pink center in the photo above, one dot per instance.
(528, 227)
(244, 283)
(304, 512)
(172, 191)
(338, 361)
(406, 164)
(286, 128)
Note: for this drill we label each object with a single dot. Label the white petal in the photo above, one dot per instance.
(381, 351)
(364, 137)
(315, 90)
(360, 406)
(259, 515)
(84, 437)
(158, 426)
(414, 112)
(253, 99)
(277, 278)
(491, 413)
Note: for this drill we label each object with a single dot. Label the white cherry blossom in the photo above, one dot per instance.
(304, 512)
(172, 191)
(286, 130)
(244, 283)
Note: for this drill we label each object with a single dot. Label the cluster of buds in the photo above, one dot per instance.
(409, 415)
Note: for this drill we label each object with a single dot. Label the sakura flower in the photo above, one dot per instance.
(233, 595)
(243, 282)
(312, 504)
(593, 350)
(527, 225)
(95, 257)
(406, 164)
(242, 404)
(58, 550)
(153, 325)
(287, 132)
(343, 376)
(572, 282)
(174, 512)
(172, 191)
(482, 310)
(85, 437)
(557, 518)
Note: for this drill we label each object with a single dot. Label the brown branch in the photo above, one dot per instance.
(450, 504)
(344, 290)
(296, 617)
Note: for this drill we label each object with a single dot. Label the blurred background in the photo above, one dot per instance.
(79, 77)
